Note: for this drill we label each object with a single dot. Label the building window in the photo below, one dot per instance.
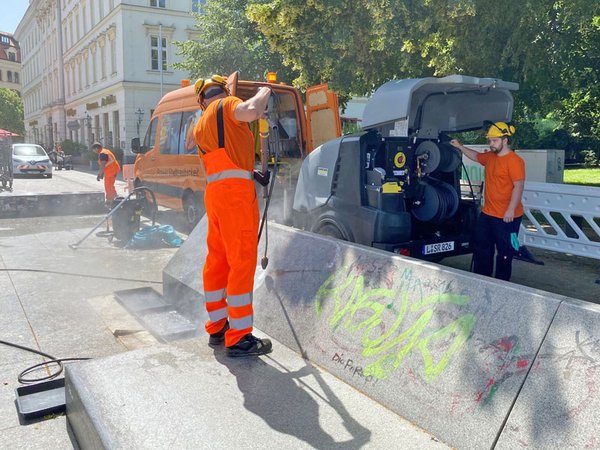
(154, 52)
(157, 3)
(16, 77)
(6, 40)
(9, 76)
(12, 56)
(197, 5)
(0, 75)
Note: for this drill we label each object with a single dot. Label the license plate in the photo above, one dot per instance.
(439, 247)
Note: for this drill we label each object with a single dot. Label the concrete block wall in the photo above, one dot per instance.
(63, 204)
(449, 350)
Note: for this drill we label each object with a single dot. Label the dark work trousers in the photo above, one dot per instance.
(493, 234)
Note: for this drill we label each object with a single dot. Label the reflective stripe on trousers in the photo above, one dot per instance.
(237, 307)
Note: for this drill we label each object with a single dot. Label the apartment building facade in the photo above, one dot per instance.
(10, 62)
(93, 70)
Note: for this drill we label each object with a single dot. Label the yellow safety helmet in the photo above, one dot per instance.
(500, 129)
(203, 84)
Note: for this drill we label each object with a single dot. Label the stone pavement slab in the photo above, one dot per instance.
(187, 396)
(41, 435)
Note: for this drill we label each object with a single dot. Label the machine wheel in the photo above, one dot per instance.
(49, 175)
(192, 207)
(331, 231)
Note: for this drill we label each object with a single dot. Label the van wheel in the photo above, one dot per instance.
(192, 207)
(331, 231)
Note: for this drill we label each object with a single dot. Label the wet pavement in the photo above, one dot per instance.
(78, 180)
(59, 301)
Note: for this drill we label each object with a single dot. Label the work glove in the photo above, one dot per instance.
(100, 176)
(262, 178)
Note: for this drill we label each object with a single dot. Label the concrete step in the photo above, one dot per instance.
(58, 204)
(187, 395)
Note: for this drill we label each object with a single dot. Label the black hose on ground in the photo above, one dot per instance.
(51, 360)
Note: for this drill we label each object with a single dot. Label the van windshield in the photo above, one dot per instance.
(28, 150)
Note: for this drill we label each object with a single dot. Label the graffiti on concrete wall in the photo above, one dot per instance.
(409, 305)
(500, 360)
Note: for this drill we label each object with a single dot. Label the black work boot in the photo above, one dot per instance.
(250, 345)
(218, 338)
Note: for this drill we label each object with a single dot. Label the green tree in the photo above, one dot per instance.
(11, 111)
(550, 47)
(229, 41)
(354, 46)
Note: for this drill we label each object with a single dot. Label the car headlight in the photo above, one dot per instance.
(44, 161)
(18, 161)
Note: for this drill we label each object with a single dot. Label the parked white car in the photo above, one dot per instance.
(31, 159)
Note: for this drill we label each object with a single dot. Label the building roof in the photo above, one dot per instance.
(7, 41)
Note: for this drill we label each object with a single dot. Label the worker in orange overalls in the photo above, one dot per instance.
(226, 146)
(108, 168)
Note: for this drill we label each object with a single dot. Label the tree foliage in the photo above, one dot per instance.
(11, 111)
(227, 41)
(550, 47)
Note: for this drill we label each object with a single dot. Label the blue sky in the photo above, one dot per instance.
(12, 13)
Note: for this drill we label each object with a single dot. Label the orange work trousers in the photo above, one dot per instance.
(232, 212)
(109, 187)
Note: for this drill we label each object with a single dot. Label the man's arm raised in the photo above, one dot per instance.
(253, 108)
(471, 154)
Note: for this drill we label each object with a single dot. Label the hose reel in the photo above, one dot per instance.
(433, 157)
(437, 202)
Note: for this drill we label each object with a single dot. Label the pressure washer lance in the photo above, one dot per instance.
(267, 190)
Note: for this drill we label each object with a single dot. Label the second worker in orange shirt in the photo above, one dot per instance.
(226, 146)
(499, 221)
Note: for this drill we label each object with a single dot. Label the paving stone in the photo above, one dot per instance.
(187, 395)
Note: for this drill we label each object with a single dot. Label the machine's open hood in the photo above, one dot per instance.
(430, 106)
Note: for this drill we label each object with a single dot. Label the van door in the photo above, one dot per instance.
(322, 116)
(162, 178)
(232, 83)
(143, 162)
(286, 142)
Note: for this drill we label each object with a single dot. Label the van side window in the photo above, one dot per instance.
(187, 140)
(170, 125)
(150, 134)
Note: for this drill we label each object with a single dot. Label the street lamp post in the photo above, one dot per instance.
(139, 113)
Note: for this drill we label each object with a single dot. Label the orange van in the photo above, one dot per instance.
(168, 161)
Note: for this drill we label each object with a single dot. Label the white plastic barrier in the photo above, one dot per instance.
(562, 218)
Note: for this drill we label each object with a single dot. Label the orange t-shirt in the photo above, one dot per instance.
(239, 141)
(500, 174)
